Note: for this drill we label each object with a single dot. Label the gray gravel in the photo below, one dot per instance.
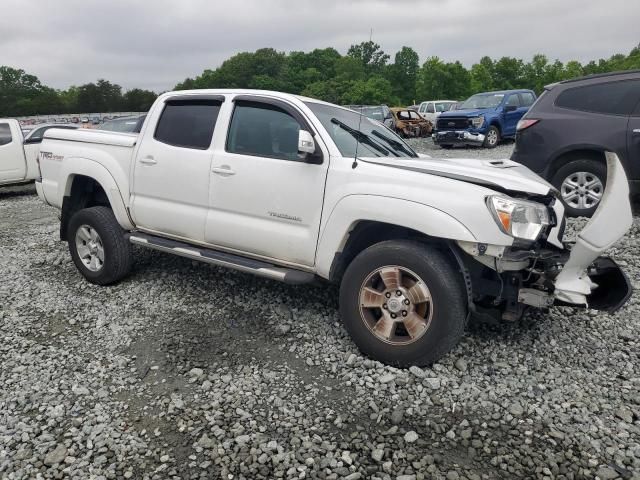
(188, 371)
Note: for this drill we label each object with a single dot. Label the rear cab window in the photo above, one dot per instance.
(188, 123)
(609, 98)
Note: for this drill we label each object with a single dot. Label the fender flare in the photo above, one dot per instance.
(352, 209)
(87, 167)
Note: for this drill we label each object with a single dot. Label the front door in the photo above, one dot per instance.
(512, 117)
(12, 161)
(170, 192)
(265, 199)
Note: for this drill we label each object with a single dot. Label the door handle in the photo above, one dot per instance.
(148, 160)
(224, 170)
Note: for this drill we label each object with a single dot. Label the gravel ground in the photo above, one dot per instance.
(188, 371)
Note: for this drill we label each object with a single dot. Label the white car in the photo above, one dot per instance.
(431, 109)
(19, 150)
(270, 183)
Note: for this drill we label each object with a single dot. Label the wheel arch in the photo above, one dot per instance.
(366, 233)
(576, 152)
(87, 186)
(359, 221)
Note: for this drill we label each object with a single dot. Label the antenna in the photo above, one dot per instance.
(355, 157)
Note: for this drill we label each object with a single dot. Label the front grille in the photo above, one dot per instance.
(453, 123)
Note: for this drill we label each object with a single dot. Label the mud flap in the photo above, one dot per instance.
(611, 221)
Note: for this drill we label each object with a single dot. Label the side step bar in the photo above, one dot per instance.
(222, 259)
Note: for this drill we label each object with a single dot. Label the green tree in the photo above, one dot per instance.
(369, 54)
(23, 94)
(373, 91)
(138, 100)
(102, 96)
(403, 74)
(508, 73)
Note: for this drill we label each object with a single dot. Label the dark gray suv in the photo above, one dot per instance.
(564, 134)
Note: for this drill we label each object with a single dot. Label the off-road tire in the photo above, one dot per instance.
(117, 250)
(488, 139)
(597, 169)
(447, 291)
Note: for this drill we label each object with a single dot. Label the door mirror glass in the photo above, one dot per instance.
(306, 144)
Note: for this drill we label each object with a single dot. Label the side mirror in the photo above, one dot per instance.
(33, 140)
(306, 144)
(510, 108)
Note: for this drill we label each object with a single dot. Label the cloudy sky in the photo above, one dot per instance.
(155, 44)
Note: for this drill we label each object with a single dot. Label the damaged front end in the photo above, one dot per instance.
(503, 281)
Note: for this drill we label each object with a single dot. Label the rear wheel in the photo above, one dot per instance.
(98, 246)
(581, 184)
(492, 137)
(403, 303)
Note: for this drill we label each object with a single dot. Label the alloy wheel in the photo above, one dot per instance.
(90, 248)
(582, 190)
(396, 305)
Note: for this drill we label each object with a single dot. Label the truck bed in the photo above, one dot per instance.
(120, 139)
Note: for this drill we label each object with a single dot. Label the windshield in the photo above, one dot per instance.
(351, 131)
(444, 106)
(483, 100)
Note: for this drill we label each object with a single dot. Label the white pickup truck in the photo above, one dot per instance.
(296, 189)
(19, 153)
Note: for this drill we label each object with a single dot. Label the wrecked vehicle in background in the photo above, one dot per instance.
(409, 123)
(381, 113)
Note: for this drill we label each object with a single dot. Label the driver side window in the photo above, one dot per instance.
(430, 108)
(263, 130)
(514, 101)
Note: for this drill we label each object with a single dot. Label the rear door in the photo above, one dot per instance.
(265, 199)
(13, 166)
(170, 192)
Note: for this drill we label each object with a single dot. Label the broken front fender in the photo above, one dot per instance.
(611, 221)
(614, 287)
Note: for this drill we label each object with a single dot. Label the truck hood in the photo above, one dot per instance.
(466, 113)
(496, 174)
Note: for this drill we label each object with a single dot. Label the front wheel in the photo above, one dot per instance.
(98, 246)
(403, 303)
(492, 137)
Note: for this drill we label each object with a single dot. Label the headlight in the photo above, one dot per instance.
(477, 122)
(519, 218)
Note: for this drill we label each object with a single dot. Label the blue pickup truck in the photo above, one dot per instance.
(483, 119)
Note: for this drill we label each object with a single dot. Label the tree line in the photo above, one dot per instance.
(22, 94)
(365, 75)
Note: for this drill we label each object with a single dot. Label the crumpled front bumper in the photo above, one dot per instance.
(587, 278)
(458, 136)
